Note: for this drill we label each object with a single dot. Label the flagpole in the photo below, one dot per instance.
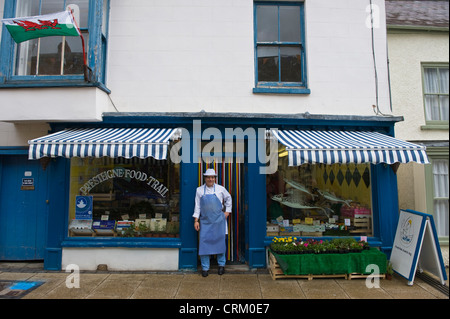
(85, 66)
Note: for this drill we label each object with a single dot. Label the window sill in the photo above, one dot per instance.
(281, 90)
(434, 127)
(130, 242)
(51, 83)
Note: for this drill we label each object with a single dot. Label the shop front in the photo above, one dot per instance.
(121, 192)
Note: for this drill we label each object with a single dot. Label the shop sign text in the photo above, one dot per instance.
(124, 173)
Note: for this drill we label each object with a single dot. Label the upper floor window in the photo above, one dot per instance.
(280, 47)
(436, 87)
(56, 58)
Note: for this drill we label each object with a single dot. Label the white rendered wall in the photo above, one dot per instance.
(122, 259)
(53, 104)
(188, 56)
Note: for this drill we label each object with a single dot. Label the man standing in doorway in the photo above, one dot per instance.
(212, 207)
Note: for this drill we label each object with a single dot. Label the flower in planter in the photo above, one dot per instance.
(285, 245)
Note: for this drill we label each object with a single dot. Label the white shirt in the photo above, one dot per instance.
(221, 193)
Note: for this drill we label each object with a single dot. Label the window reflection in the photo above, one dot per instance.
(314, 200)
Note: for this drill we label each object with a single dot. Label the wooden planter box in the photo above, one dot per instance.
(277, 272)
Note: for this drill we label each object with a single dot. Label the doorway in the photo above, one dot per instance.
(230, 174)
(23, 208)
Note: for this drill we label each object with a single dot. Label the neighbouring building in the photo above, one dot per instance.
(418, 42)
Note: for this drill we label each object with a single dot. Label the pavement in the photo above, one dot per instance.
(21, 280)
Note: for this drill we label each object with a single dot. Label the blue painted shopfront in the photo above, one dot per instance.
(383, 178)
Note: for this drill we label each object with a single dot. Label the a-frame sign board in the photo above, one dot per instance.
(416, 246)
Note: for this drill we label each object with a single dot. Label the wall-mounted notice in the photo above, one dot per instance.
(416, 245)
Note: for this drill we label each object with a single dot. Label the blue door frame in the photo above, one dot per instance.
(384, 188)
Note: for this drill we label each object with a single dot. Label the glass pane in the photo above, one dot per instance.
(267, 23)
(290, 24)
(127, 198)
(443, 77)
(440, 173)
(26, 57)
(27, 8)
(26, 52)
(432, 108)
(50, 56)
(291, 64)
(441, 216)
(443, 99)
(73, 54)
(268, 64)
(51, 6)
(319, 200)
(431, 80)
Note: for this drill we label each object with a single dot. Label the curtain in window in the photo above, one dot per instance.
(431, 101)
(444, 102)
(436, 94)
(441, 192)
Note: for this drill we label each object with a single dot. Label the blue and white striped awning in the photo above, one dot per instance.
(99, 142)
(330, 147)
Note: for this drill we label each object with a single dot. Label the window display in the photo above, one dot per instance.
(124, 197)
(314, 200)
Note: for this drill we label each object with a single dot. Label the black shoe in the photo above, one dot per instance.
(221, 270)
(204, 273)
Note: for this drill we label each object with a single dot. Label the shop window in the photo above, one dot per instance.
(436, 98)
(57, 58)
(124, 197)
(315, 200)
(280, 46)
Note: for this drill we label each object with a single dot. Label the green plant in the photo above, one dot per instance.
(130, 231)
(389, 268)
(143, 228)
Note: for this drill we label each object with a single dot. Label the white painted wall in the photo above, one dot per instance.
(54, 104)
(121, 259)
(187, 56)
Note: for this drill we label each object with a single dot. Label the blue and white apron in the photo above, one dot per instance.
(212, 225)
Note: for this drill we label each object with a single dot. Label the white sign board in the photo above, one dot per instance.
(416, 245)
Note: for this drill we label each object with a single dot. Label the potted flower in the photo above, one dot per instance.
(143, 230)
(389, 270)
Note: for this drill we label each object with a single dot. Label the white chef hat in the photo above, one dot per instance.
(210, 172)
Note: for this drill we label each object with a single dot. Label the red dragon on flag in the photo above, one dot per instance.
(43, 24)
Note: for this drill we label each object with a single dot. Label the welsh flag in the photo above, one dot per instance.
(54, 24)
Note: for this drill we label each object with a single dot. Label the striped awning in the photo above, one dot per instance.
(99, 142)
(330, 147)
